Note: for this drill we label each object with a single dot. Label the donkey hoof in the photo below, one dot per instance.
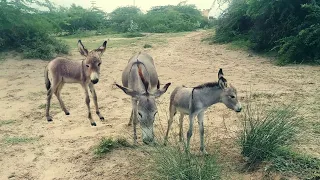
(93, 124)
(49, 119)
(102, 118)
(129, 124)
(67, 113)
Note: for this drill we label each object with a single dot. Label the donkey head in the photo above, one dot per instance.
(229, 94)
(147, 108)
(93, 61)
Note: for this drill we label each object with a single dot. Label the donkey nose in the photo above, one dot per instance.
(95, 81)
(239, 109)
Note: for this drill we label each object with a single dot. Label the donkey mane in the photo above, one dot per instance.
(207, 85)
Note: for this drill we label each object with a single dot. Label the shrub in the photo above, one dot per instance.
(173, 163)
(24, 29)
(290, 28)
(263, 135)
(147, 46)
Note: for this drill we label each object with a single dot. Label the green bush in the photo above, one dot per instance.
(25, 30)
(263, 135)
(291, 28)
(173, 163)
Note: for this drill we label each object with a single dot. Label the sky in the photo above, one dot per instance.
(144, 5)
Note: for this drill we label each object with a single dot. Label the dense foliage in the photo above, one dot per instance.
(290, 28)
(29, 26)
(25, 30)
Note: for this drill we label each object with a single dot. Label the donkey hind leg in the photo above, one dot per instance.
(88, 105)
(189, 133)
(181, 127)
(173, 111)
(131, 118)
(52, 89)
(201, 131)
(95, 101)
(58, 94)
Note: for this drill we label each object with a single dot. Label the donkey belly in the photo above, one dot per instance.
(183, 110)
(70, 80)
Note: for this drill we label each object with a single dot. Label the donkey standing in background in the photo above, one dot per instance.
(61, 70)
(194, 101)
(140, 81)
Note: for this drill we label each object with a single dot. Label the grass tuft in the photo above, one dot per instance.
(147, 46)
(17, 140)
(174, 163)
(6, 122)
(263, 135)
(106, 145)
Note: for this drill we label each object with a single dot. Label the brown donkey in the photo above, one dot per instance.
(61, 70)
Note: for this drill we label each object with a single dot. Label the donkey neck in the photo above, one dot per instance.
(207, 95)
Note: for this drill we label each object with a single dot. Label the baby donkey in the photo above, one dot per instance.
(194, 102)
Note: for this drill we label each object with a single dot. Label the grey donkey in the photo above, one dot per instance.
(140, 81)
(86, 72)
(194, 102)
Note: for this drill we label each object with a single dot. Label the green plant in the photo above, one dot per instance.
(6, 122)
(174, 163)
(289, 28)
(147, 46)
(264, 134)
(291, 163)
(108, 144)
(17, 140)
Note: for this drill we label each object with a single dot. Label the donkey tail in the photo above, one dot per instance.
(46, 78)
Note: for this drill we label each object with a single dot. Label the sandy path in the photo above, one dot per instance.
(62, 149)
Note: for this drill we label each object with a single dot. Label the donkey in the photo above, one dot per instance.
(194, 102)
(61, 70)
(140, 81)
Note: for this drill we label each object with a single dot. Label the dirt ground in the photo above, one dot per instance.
(32, 148)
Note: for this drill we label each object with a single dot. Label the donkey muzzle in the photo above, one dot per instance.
(95, 81)
(147, 135)
(238, 108)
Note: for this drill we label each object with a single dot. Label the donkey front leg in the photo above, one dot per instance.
(88, 106)
(95, 101)
(58, 94)
(134, 119)
(201, 131)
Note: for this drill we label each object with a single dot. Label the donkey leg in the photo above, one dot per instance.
(201, 131)
(131, 118)
(95, 101)
(49, 96)
(181, 127)
(58, 94)
(189, 133)
(170, 121)
(88, 105)
(134, 119)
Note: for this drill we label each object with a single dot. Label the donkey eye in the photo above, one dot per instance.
(140, 115)
(99, 64)
(232, 97)
(87, 65)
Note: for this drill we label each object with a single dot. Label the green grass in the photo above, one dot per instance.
(291, 163)
(147, 46)
(133, 35)
(18, 140)
(264, 134)
(7, 122)
(240, 44)
(316, 127)
(106, 145)
(174, 163)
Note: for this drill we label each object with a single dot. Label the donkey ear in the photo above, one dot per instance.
(220, 73)
(128, 91)
(222, 82)
(162, 91)
(83, 51)
(102, 48)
